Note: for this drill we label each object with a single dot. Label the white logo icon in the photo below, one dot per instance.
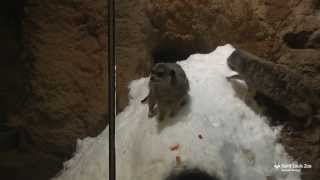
(276, 165)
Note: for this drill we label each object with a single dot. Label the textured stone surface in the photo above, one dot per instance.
(15, 75)
(57, 88)
(13, 70)
(65, 41)
(133, 59)
(277, 30)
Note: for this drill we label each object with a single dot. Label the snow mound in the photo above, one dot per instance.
(216, 133)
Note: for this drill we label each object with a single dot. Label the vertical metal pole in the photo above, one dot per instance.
(111, 96)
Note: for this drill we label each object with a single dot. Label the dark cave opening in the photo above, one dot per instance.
(277, 114)
(297, 40)
(191, 174)
(175, 49)
(11, 14)
(12, 69)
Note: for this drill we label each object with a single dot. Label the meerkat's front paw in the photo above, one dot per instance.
(151, 114)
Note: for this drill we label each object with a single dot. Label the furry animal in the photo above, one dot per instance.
(168, 90)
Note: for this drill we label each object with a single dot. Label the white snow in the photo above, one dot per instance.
(237, 144)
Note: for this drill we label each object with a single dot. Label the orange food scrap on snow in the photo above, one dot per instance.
(178, 160)
(174, 147)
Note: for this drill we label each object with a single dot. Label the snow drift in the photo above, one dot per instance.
(216, 133)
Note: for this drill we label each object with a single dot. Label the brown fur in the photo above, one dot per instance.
(168, 90)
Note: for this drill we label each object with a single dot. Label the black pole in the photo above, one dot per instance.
(111, 94)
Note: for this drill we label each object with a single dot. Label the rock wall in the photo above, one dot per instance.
(132, 56)
(13, 70)
(66, 44)
(55, 58)
(268, 28)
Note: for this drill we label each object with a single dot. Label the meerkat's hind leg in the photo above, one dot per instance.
(151, 113)
(173, 112)
(175, 108)
(163, 110)
(184, 100)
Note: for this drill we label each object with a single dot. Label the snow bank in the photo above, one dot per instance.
(236, 143)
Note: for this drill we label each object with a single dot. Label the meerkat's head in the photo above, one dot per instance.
(234, 61)
(161, 73)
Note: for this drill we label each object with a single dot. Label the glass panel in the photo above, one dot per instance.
(235, 122)
(53, 92)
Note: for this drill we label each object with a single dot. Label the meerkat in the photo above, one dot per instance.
(168, 90)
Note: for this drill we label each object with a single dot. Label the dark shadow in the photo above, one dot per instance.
(260, 103)
(170, 121)
(8, 138)
(278, 115)
(242, 91)
(175, 49)
(316, 5)
(191, 174)
(297, 40)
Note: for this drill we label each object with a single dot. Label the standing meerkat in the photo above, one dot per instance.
(168, 89)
